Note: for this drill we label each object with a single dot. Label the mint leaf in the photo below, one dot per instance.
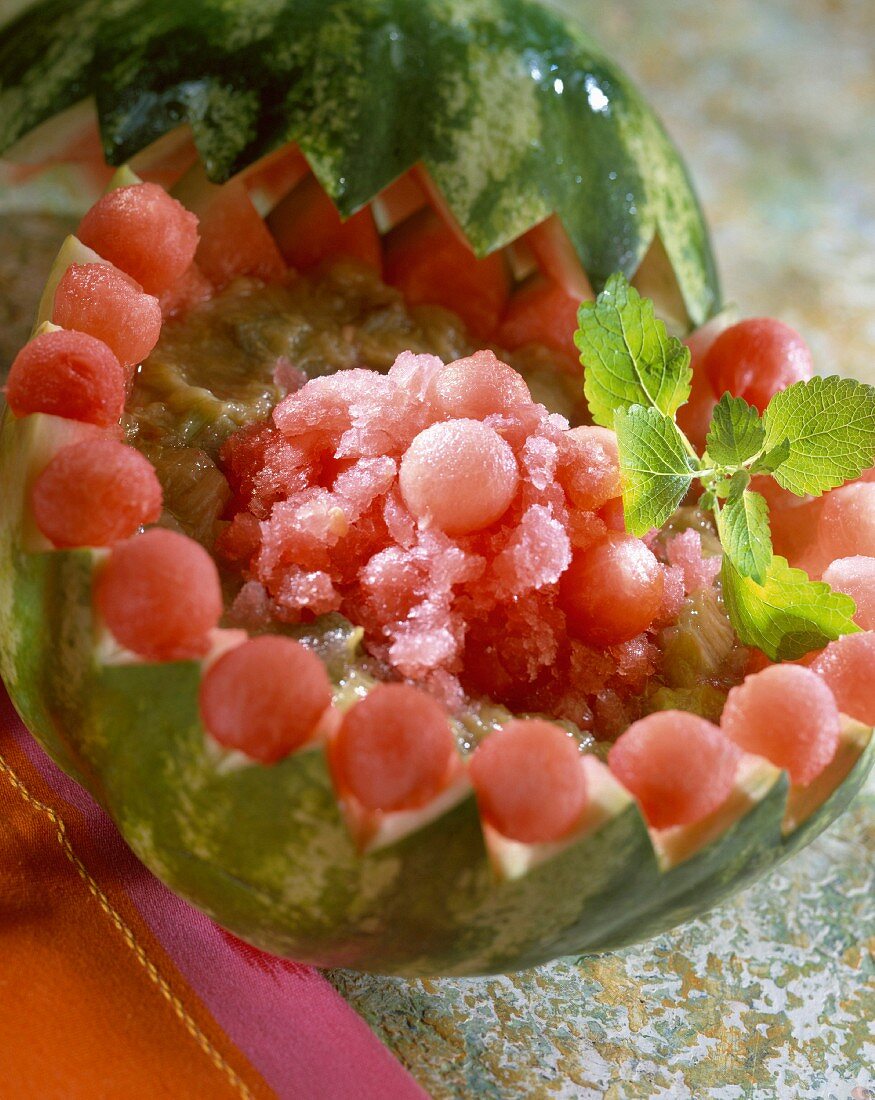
(743, 526)
(789, 615)
(628, 356)
(655, 467)
(829, 424)
(736, 432)
(770, 460)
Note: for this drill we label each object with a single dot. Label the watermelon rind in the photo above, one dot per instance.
(268, 852)
(514, 111)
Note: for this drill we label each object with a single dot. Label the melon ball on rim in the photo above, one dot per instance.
(679, 767)
(847, 667)
(104, 302)
(68, 374)
(847, 522)
(159, 595)
(145, 232)
(95, 493)
(787, 714)
(265, 697)
(529, 781)
(855, 576)
(394, 749)
(459, 475)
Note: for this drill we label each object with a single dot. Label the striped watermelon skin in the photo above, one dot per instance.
(515, 112)
(266, 851)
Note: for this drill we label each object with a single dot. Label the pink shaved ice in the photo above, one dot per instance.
(439, 507)
(685, 552)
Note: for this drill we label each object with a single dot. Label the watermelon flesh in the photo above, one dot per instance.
(308, 230)
(67, 374)
(144, 232)
(541, 311)
(190, 290)
(234, 241)
(104, 302)
(159, 595)
(95, 493)
(425, 259)
(265, 697)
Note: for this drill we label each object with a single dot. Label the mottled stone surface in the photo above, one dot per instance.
(772, 995)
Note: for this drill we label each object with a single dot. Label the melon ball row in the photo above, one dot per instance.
(159, 596)
(106, 319)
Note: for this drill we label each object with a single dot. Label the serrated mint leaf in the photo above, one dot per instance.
(628, 357)
(768, 462)
(736, 432)
(743, 526)
(789, 615)
(656, 469)
(829, 424)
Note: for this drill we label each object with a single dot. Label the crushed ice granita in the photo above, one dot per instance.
(470, 533)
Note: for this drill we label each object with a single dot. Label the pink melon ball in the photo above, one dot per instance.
(847, 521)
(529, 781)
(787, 714)
(475, 387)
(679, 767)
(143, 231)
(95, 493)
(612, 590)
(394, 749)
(459, 475)
(855, 576)
(160, 596)
(847, 666)
(104, 302)
(69, 374)
(265, 697)
(756, 359)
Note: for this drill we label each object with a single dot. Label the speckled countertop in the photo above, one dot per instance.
(773, 994)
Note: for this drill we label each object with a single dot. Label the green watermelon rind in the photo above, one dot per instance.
(515, 112)
(267, 852)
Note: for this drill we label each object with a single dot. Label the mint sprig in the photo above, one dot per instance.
(736, 433)
(629, 355)
(829, 424)
(788, 615)
(743, 527)
(812, 437)
(655, 466)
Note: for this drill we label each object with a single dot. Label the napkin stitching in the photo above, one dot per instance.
(106, 905)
